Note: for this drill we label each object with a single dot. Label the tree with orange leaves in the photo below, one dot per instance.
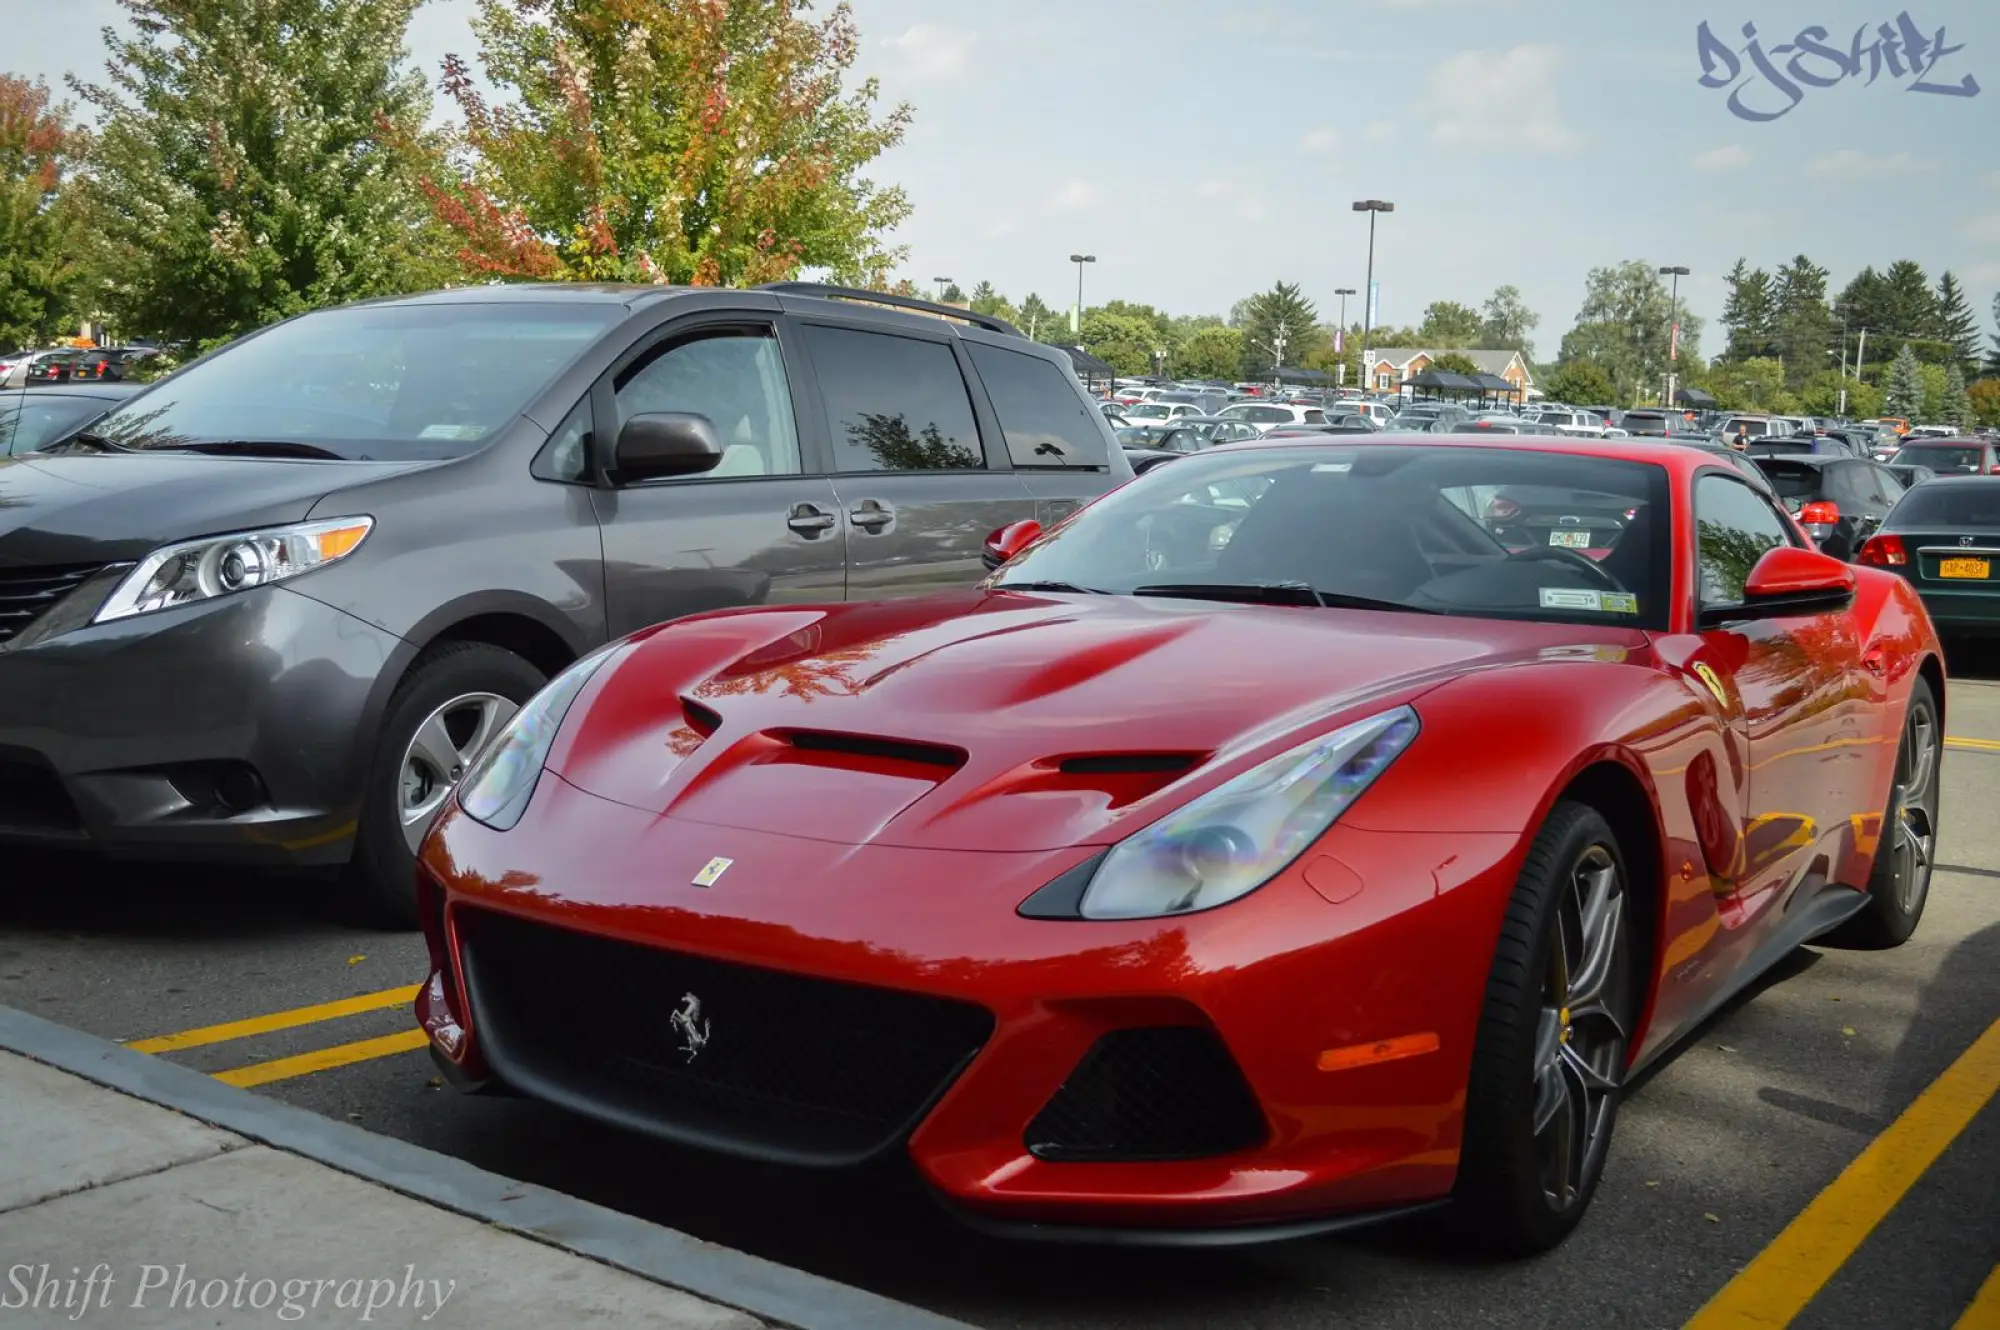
(706, 142)
(38, 272)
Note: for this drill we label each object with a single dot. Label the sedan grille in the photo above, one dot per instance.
(26, 592)
(738, 1058)
(1159, 1093)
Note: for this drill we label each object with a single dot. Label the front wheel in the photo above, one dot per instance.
(1549, 1064)
(1907, 845)
(455, 698)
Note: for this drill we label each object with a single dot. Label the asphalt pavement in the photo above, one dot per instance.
(1832, 1137)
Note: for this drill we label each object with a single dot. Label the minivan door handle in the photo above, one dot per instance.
(871, 514)
(808, 520)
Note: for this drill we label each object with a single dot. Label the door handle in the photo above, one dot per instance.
(809, 521)
(871, 514)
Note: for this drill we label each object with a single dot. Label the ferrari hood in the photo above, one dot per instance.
(991, 720)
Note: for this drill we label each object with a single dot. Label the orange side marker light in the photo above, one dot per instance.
(1383, 1050)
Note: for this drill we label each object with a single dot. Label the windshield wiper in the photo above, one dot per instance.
(1070, 587)
(251, 448)
(1276, 593)
(89, 440)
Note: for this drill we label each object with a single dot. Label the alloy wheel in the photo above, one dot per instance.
(1580, 1036)
(1914, 810)
(439, 753)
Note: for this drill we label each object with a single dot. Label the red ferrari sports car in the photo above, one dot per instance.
(1307, 832)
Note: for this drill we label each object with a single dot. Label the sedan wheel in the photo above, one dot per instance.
(438, 754)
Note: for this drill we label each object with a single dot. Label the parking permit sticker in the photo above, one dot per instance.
(1567, 598)
(1620, 602)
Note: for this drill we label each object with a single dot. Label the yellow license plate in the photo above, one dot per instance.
(1570, 540)
(1965, 568)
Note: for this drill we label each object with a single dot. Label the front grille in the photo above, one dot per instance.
(785, 1067)
(26, 592)
(1158, 1093)
(32, 798)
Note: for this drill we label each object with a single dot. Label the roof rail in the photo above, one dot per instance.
(862, 295)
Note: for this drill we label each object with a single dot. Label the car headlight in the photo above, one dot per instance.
(501, 780)
(1243, 833)
(219, 565)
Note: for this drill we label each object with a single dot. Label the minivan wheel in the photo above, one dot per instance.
(456, 697)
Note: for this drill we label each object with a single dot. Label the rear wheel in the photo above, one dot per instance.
(454, 699)
(1549, 1064)
(1901, 881)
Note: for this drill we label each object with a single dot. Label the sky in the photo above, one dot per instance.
(1204, 149)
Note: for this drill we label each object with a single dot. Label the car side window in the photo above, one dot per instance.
(1044, 422)
(734, 377)
(1734, 527)
(893, 403)
(566, 456)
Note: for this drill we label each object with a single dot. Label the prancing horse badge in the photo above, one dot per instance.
(711, 871)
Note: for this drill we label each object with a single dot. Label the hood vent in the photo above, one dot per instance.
(702, 720)
(1128, 764)
(834, 744)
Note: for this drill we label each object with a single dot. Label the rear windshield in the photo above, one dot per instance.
(1955, 504)
(1647, 418)
(1794, 483)
(372, 381)
(1938, 457)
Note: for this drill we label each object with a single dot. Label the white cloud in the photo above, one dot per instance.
(1985, 228)
(1379, 131)
(1212, 188)
(1001, 226)
(1983, 272)
(1852, 161)
(1252, 208)
(1324, 139)
(1503, 101)
(1729, 157)
(931, 51)
(1074, 196)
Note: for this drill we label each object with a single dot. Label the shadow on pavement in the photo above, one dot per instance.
(1972, 658)
(55, 892)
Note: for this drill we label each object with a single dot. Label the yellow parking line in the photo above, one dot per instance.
(1984, 1313)
(278, 1020)
(324, 1059)
(1775, 1287)
(1981, 745)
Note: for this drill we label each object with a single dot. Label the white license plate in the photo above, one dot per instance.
(1570, 540)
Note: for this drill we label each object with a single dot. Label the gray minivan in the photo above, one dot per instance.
(268, 608)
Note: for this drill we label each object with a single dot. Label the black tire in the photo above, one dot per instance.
(1540, 1055)
(379, 886)
(1899, 883)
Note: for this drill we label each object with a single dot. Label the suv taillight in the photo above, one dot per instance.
(1884, 551)
(1819, 518)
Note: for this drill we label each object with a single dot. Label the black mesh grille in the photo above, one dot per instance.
(791, 1068)
(26, 592)
(1171, 1092)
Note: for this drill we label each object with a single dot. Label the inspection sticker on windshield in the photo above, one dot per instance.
(452, 431)
(1620, 602)
(1568, 598)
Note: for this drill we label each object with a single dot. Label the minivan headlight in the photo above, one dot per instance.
(501, 781)
(212, 566)
(1246, 831)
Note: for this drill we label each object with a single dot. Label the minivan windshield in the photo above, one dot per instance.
(367, 382)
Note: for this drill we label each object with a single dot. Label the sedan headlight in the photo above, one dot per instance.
(1241, 834)
(218, 565)
(501, 780)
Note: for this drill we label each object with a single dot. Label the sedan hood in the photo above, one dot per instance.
(997, 721)
(58, 510)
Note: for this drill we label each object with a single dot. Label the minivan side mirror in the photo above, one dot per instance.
(1010, 540)
(657, 444)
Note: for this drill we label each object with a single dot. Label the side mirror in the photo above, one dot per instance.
(1009, 541)
(1788, 581)
(657, 444)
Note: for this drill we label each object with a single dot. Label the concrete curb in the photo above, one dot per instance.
(771, 1292)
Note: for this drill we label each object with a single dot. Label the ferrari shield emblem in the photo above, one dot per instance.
(711, 871)
(1714, 682)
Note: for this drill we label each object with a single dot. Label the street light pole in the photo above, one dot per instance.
(1340, 335)
(942, 284)
(1079, 260)
(1371, 207)
(1674, 330)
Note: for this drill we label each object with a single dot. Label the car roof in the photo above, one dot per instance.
(1808, 459)
(1641, 450)
(1938, 441)
(514, 293)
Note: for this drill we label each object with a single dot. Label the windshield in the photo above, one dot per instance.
(29, 420)
(1148, 411)
(1942, 459)
(1486, 532)
(1954, 503)
(373, 381)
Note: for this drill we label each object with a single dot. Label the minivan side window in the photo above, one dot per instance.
(737, 379)
(566, 456)
(1044, 420)
(893, 403)
(1734, 527)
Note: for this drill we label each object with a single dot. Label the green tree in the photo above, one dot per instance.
(1984, 396)
(39, 149)
(1037, 319)
(1210, 353)
(1449, 324)
(1993, 360)
(243, 170)
(1907, 313)
(1506, 322)
(1451, 362)
(669, 141)
(1622, 328)
(1748, 385)
(1279, 320)
(1955, 325)
(1801, 323)
(1933, 377)
(1905, 388)
(1580, 382)
(1820, 396)
(1955, 405)
(951, 295)
(1747, 312)
(986, 300)
(1123, 340)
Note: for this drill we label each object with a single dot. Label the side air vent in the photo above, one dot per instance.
(1128, 764)
(869, 746)
(702, 720)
